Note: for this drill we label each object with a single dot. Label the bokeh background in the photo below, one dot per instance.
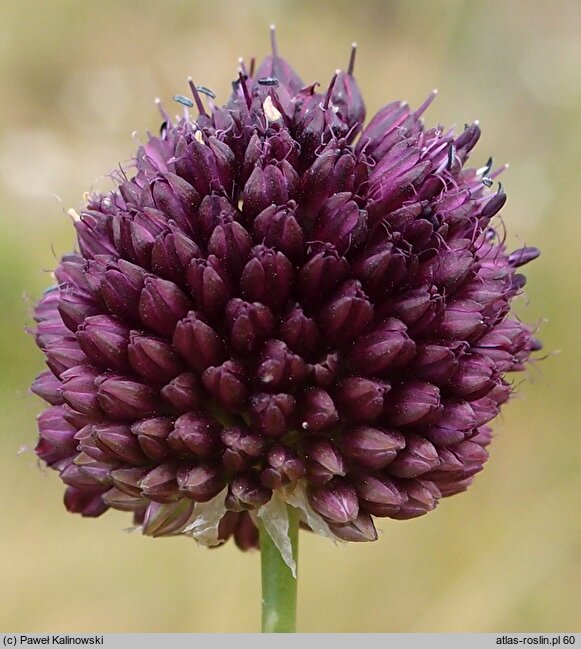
(78, 78)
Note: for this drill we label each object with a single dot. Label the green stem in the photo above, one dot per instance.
(279, 587)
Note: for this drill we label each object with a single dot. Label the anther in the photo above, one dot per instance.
(268, 81)
(184, 101)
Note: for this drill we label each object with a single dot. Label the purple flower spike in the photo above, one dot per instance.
(280, 298)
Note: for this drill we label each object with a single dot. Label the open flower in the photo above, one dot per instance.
(280, 305)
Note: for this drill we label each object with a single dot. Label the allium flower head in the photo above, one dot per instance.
(280, 304)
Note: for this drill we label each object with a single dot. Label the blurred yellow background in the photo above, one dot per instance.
(78, 78)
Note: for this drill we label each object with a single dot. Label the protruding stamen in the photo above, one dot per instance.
(273, 46)
(247, 96)
(330, 90)
(498, 171)
(352, 59)
(252, 66)
(242, 66)
(422, 109)
(197, 98)
(161, 109)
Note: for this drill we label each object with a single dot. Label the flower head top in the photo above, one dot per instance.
(281, 304)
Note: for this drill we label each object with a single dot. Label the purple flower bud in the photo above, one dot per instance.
(386, 347)
(380, 270)
(422, 498)
(86, 503)
(276, 67)
(197, 343)
(153, 359)
(202, 482)
(317, 410)
(231, 244)
(248, 324)
(493, 206)
(227, 384)
(484, 410)
(242, 448)
(347, 97)
(380, 496)
(171, 255)
(55, 430)
(175, 196)
(373, 448)
(47, 387)
(160, 484)
(453, 425)
(246, 492)
(341, 223)
(104, 340)
(412, 403)
(121, 287)
(162, 305)
(208, 283)
(324, 373)
(62, 353)
(347, 314)
(125, 399)
(471, 455)
(184, 393)
(213, 211)
(434, 363)
(336, 501)
(384, 130)
(361, 529)
(79, 391)
(75, 306)
(462, 320)
(320, 275)
(323, 460)
(278, 228)
(195, 433)
(474, 378)
(271, 414)
(128, 480)
(279, 367)
(167, 519)
(418, 457)
(123, 502)
(299, 331)
(283, 466)
(152, 436)
(118, 440)
(89, 446)
(361, 399)
(267, 277)
(265, 187)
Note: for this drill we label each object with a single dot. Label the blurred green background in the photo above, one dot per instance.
(78, 78)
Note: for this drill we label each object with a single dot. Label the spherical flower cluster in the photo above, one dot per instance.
(279, 300)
